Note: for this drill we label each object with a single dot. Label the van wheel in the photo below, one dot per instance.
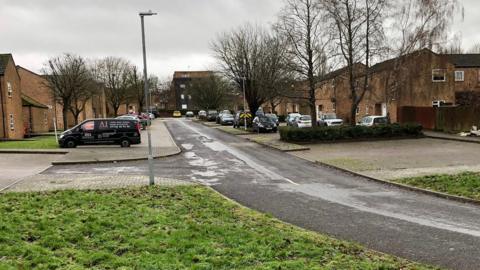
(70, 144)
(125, 143)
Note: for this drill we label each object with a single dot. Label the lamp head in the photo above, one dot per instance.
(147, 13)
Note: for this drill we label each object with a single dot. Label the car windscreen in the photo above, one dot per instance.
(264, 119)
(306, 118)
(329, 116)
(271, 116)
(228, 115)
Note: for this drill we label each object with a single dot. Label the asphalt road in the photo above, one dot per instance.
(391, 220)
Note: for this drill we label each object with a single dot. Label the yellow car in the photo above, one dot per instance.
(177, 114)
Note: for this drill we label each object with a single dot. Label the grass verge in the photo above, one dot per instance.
(187, 227)
(42, 142)
(465, 184)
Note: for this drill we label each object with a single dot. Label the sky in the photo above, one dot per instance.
(178, 38)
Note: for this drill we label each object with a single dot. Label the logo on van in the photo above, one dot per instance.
(103, 125)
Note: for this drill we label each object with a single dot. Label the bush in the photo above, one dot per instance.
(324, 134)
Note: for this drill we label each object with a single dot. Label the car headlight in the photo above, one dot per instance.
(61, 136)
(260, 125)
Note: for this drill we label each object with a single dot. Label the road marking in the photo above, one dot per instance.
(218, 147)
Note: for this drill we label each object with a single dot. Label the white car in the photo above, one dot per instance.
(303, 121)
(291, 118)
(151, 116)
(329, 120)
(373, 120)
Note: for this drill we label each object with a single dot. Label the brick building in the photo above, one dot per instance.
(11, 112)
(180, 100)
(420, 79)
(35, 116)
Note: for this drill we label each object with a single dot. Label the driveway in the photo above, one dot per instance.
(17, 166)
(407, 224)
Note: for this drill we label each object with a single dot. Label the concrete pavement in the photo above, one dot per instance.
(392, 220)
(162, 146)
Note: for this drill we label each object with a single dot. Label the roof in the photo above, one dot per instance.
(192, 74)
(30, 102)
(465, 60)
(4, 58)
(339, 72)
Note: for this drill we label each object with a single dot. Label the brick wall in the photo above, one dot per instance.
(12, 104)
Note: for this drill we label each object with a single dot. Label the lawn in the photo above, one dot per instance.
(43, 142)
(465, 184)
(163, 228)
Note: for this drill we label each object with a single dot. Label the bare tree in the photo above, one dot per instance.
(358, 29)
(300, 22)
(414, 25)
(209, 93)
(475, 48)
(249, 57)
(114, 72)
(71, 83)
(135, 85)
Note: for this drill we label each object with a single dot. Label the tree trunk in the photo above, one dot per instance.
(65, 117)
(115, 110)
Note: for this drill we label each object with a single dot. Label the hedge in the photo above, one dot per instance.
(329, 134)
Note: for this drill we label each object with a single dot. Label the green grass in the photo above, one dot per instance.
(187, 227)
(465, 184)
(43, 142)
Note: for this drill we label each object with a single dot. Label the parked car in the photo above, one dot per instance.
(212, 115)
(273, 117)
(202, 115)
(189, 114)
(303, 121)
(152, 116)
(177, 114)
(226, 119)
(219, 116)
(143, 122)
(329, 120)
(263, 123)
(102, 131)
(373, 120)
(291, 117)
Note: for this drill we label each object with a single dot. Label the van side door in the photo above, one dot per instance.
(104, 132)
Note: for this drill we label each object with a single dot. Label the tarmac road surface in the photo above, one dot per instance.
(407, 224)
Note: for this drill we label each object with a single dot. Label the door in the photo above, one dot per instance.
(378, 109)
(105, 133)
(87, 132)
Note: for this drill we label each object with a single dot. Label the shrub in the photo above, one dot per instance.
(349, 132)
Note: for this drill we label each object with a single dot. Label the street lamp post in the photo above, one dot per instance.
(244, 104)
(145, 88)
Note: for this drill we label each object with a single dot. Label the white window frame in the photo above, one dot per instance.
(459, 75)
(444, 75)
(182, 96)
(12, 121)
(9, 90)
(182, 86)
(367, 108)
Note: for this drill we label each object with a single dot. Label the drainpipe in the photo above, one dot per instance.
(3, 109)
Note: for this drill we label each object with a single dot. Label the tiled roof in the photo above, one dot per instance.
(4, 58)
(465, 60)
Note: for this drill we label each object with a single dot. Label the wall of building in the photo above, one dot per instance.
(12, 105)
(36, 119)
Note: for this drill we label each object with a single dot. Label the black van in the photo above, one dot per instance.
(102, 131)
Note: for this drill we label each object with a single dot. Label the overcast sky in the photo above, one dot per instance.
(178, 38)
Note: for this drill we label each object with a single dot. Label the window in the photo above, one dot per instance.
(12, 122)
(182, 86)
(459, 76)
(182, 96)
(438, 75)
(88, 126)
(367, 110)
(189, 97)
(45, 118)
(9, 89)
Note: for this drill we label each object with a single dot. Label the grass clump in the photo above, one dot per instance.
(188, 227)
(466, 184)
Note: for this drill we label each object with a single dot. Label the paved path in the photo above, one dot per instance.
(162, 145)
(14, 167)
(453, 137)
(410, 225)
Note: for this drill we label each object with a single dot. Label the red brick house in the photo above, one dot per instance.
(420, 79)
(11, 113)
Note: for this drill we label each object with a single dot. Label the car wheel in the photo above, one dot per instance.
(125, 143)
(70, 144)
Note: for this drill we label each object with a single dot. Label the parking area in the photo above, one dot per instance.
(394, 159)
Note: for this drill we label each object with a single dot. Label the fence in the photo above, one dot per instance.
(424, 116)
